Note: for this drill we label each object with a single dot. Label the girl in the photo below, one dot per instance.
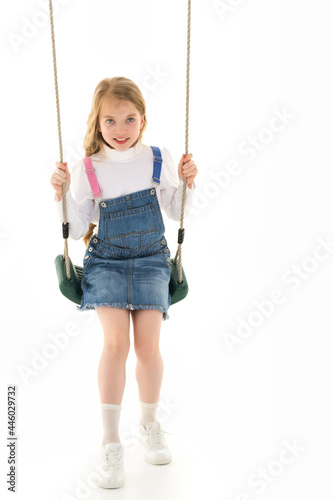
(120, 188)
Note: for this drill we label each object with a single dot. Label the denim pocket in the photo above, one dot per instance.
(135, 228)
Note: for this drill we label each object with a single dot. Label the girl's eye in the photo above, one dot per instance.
(110, 120)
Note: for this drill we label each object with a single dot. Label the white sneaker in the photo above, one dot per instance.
(157, 451)
(111, 466)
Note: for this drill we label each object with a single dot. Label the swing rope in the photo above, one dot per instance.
(64, 207)
(181, 231)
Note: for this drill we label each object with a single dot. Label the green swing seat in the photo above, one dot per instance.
(72, 290)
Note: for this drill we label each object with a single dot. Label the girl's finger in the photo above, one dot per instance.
(61, 173)
(60, 179)
(61, 165)
(188, 166)
(191, 173)
(188, 163)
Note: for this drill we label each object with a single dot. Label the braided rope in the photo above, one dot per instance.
(64, 208)
(179, 249)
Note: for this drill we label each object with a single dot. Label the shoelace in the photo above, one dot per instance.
(155, 434)
(113, 458)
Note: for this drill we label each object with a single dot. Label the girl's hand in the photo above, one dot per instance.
(188, 169)
(59, 177)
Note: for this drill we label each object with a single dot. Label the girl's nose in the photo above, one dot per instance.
(120, 129)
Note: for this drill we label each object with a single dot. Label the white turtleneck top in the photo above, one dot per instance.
(119, 173)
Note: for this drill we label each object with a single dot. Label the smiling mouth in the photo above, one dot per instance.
(121, 141)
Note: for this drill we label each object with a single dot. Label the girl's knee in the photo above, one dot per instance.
(117, 343)
(147, 351)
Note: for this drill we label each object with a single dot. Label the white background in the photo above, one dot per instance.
(232, 413)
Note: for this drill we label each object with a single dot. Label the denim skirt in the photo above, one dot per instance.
(126, 264)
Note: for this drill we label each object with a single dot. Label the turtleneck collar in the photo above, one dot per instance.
(127, 155)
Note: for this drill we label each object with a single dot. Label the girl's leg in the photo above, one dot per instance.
(112, 365)
(112, 368)
(149, 367)
(149, 374)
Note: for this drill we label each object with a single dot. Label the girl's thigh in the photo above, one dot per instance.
(146, 328)
(115, 323)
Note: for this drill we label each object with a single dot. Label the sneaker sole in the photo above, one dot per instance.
(158, 461)
(110, 484)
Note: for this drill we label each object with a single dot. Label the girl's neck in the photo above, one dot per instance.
(126, 155)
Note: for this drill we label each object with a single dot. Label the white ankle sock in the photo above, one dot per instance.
(110, 417)
(148, 411)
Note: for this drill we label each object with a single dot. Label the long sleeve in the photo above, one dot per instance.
(172, 189)
(79, 203)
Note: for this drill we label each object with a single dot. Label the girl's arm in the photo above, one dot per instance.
(171, 191)
(79, 203)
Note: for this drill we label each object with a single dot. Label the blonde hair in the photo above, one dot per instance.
(118, 87)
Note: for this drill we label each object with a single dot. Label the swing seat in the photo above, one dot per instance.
(72, 290)
(178, 290)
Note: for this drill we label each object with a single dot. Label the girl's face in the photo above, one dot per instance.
(120, 123)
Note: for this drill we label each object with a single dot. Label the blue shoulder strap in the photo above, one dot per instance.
(157, 164)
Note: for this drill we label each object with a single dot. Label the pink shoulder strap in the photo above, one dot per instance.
(90, 171)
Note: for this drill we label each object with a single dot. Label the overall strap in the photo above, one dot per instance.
(90, 171)
(157, 164)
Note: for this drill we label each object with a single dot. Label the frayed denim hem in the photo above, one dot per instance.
(123, 305)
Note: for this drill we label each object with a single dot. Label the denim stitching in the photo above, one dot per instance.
(148, 208)
(119, 199)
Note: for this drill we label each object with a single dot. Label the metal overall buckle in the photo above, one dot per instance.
(154, 186)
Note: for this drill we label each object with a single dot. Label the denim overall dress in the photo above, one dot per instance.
(126, 264)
